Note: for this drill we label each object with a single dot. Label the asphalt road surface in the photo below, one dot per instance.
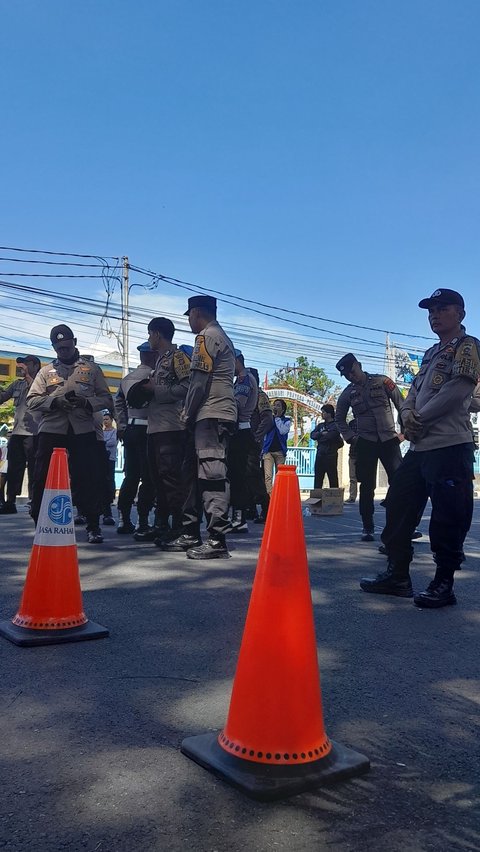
(90, 731)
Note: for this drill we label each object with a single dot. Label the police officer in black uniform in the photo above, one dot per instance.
(439, 463)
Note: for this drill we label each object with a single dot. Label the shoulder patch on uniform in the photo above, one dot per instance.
(263, 402)
(201, 360)
(181, 364)
(389, 384)
(467, 359)
(242, 387)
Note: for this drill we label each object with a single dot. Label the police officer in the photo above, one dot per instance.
(132, 422)
(242, 445)
(352, 466)
(211, 412)
(167, 389)
(262, 422)
(22, 442)
(328, 440)
(369, 395)
(66, 393)
(439, 463)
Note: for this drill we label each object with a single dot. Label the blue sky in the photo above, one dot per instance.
(319, 156)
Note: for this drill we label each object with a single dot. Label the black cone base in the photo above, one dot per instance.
(24, 636)
(266, 782)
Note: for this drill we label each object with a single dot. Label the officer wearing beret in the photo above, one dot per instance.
(211, 412)
(66, 393)
(439, 463)
(22, 442)
(369, 395)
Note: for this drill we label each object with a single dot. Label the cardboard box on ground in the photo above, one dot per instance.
(325, 501)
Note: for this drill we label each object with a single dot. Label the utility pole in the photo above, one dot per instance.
(125, 335)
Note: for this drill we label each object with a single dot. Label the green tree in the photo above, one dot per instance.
(305, 377)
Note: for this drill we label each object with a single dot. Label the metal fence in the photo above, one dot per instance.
(302, 457)
(304, 460)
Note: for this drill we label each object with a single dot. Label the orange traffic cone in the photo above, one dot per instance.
(51, 609)
(274, 743)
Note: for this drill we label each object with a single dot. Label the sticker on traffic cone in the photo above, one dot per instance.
(274, 743)
(51, 609)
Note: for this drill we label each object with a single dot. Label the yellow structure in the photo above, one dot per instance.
(9, 369)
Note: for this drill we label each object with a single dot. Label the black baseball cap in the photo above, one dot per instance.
(61, 332)
(207, 302)
(346, 363)
(443, 297)
(23, 359)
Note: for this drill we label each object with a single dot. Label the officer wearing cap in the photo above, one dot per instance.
(211, 412)
(22, 442)
(369, 396)
(242, 445)
(439, 463)
(131, 414)
(66, 393)
(166, 434)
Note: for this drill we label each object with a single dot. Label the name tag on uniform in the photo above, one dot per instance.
(54, 379)
(83, 374)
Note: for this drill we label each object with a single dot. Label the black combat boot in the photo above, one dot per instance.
(438, 593)
(182, 543)
(8, 508)
(213, 548)
(239, 523)
(143, 531)
(125, 526)
(394, 581)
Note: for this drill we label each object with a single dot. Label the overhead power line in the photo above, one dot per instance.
(54, 262)
(58, 253)
(46, 275)
(196, 287)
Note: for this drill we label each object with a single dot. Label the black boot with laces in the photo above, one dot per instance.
(394, 581)
(438, 593)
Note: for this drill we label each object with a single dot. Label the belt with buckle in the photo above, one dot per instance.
(135, 421)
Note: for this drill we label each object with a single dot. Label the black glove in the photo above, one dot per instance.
(81, 402)
(77, 401)
(62, 404)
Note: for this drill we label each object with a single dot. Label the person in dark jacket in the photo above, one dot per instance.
(329, 441)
